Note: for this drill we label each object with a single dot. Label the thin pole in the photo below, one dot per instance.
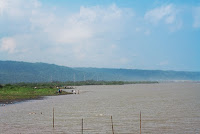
(112, 125)
(74, 79)
(82, 126)
(140, 123)
(53, 117)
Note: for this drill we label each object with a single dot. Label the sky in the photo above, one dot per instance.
(131, 34)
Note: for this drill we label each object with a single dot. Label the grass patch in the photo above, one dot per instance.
(10, 93)
(25, 91)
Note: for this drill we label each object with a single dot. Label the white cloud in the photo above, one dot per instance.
(85, 38)
(90, 22)
(18, 8)
(92, 36)
(2, 6)
(73, 34)
(95, 36)
(170, 19)
(164, 13)
(168, 15)
(99, 13)
(196, 15)
(8, 44)
(87, 24)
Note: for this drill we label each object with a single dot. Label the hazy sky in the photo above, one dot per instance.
(136, 34)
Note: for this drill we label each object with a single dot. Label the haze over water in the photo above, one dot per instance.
(165, 108)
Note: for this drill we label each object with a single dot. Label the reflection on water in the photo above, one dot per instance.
(165, 107)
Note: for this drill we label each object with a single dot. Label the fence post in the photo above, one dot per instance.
(53, 117)
(82, 126)
(112, 125)
(140, 123)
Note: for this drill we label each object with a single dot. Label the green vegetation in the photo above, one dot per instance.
(9, 93)
(24, 91)
(92, 82)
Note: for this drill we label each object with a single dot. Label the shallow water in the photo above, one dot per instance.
(165, 107)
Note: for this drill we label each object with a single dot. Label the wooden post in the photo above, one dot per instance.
(112, 125)
(82, 126)
(140, 123)
(53, 117)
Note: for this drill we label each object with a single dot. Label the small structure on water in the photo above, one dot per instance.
(68, 87)
(75, 91)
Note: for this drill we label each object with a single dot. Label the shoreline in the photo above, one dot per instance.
(7, 102)
(18, 100)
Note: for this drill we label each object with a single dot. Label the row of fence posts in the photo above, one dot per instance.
(111, 123)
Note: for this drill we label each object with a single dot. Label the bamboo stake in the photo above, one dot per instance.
(140, 123)
(112, 125)
(53, 117)
(82, 126)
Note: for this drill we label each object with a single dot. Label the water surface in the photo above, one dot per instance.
(165, 108)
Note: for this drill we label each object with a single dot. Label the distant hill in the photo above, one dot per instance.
(140, 75)
(14, 72)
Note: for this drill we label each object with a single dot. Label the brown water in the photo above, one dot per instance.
(165, 107)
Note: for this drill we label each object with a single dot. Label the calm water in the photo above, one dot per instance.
(165, 107)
